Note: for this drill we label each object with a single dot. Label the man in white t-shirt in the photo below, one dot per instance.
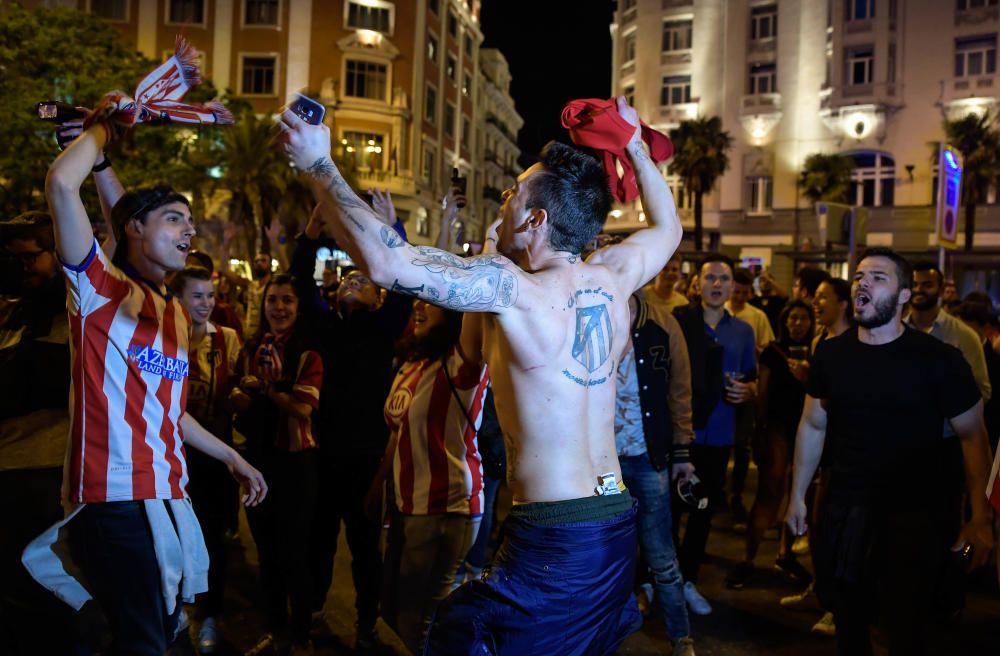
(660, 293)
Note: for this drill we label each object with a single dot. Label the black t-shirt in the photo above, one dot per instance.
(887, 405)
(785, 394)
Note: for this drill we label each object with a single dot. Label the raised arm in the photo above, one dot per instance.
(644, 253)
(486, 283)
(74, 234)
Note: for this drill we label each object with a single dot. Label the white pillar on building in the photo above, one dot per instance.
(222, 45)
(299, 32)
(147, 22)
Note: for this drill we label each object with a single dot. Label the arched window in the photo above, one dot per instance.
(873, 178)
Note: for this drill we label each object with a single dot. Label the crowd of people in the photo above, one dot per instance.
(610, 391)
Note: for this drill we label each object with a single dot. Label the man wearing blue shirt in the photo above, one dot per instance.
(714, 439)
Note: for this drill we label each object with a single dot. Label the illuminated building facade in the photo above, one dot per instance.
(789, 78)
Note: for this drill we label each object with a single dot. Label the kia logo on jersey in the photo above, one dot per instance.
(399, 402)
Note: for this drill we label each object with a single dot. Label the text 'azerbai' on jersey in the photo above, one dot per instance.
(157, 363)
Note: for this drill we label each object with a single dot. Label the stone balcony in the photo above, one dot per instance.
(676, 114)
(761, 103)
(396, 184)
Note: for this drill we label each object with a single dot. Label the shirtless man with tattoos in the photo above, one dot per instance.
(553, 328)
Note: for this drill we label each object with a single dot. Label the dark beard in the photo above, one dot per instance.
(259, 274)
(884, 313)
(931, 302)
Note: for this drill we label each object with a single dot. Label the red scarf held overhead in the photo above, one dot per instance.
(158, 96)
(597, 124)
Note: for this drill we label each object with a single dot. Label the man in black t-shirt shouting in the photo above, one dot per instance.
(885, 390)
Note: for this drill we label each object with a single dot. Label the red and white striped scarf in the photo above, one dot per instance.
(158, 96)
(993, 487)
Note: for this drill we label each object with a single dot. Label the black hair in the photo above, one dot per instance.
(179, 279)
(974, 312)
(810, 278)
(904, 270)
(436, 343)
(137, 204)
(204, 260)
(717, 257)
(572, 187)
(742, 276)
(30, 226)
(842, 290)
(784, 337)
(930, 266)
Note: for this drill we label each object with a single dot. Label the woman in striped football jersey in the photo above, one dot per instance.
(277, 394)
(434, 410)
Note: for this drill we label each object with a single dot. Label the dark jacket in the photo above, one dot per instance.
(357, 356)
(662, 368)
(706, 363)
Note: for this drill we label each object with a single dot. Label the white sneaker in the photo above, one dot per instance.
(807, 600)
(208, 636)
(825, 626)
(695, 601)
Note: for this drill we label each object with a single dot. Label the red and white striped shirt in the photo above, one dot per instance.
(436, 466)
(129, 367)
(213, 362)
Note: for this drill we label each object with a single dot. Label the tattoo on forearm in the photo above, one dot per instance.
(594, 336)
(321, 168)
(476, 284)
(346, 200)
(412, 291)
(390, 238)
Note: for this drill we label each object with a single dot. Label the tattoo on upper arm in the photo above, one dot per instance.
(390, 238)
(475, 284)
(593, 338)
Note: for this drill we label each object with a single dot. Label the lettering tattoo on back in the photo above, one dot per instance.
(474, 284)
(593, 338)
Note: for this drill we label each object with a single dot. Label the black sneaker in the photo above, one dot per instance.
(791, 566)
(738, 575)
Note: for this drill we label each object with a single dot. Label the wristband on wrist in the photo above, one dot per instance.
(103, 165)
(680, 453)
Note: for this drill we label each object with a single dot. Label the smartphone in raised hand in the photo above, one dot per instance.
(59, 112)
(309, 110)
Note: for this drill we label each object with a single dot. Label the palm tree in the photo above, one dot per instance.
(701, 156)
(826, 176)
(976, 138)
(255, 173)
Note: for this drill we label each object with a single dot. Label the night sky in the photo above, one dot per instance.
(558, 50)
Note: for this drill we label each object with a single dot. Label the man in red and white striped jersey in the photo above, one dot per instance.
(134, 536)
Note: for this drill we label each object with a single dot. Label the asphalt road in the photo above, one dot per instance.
(744, 622)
